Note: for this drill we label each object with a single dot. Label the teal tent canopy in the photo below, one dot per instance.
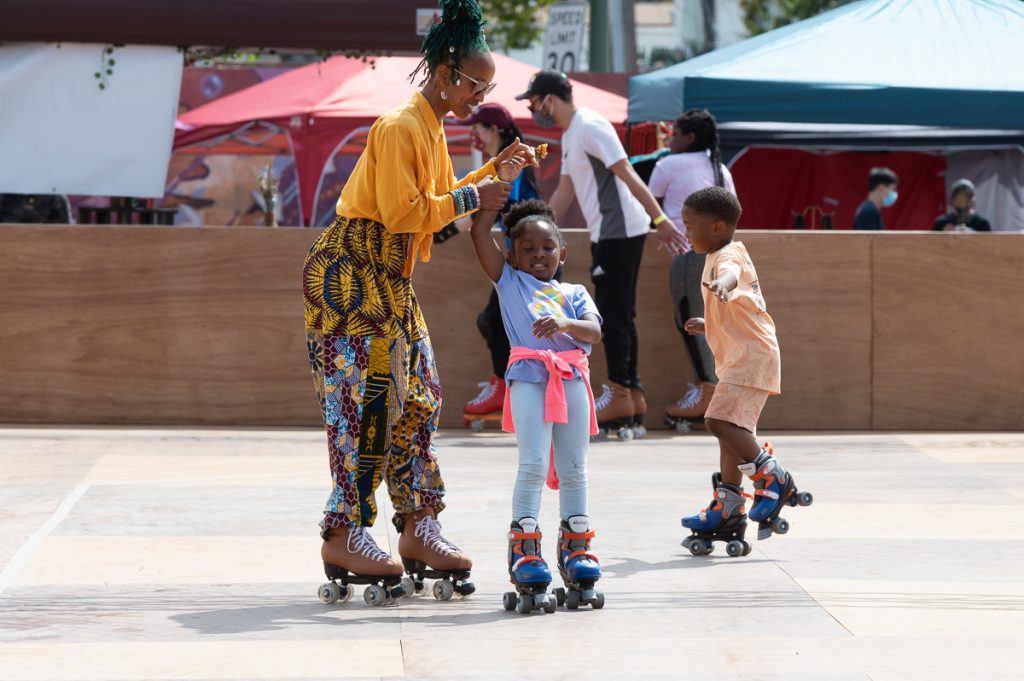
(952, 63)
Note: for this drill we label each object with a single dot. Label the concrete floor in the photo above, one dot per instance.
(193, 554)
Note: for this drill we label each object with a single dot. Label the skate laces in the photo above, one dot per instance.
(360, 542)
(487, 391)
(691, 398)
(428, 530)
(605, 399)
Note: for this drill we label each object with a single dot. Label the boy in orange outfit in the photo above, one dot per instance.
(741, 335)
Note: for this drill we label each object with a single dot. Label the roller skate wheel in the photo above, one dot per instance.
(804, 499)
(687, 541)
(509, 600)
(780, 526)
(598, 601)
(543, 603)
(625, 433)
(476, 425)
(696, 547)
(525, 604)
(588, 596)
(602, 434)
(559, 594)
(734, 548)
(347, 592)
(572, 599)
(639, 432)
(374, 595)
(410, 587)
(465, 588)
(550, 605)
(329, 593)
(396, 592)
(443, 590)
(682, 427)
(746, 549)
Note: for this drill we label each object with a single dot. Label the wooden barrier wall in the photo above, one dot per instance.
(154, 325)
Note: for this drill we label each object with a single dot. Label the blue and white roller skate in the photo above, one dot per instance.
(774, 488)
(723, 520)
(527, 570)
(579, 568)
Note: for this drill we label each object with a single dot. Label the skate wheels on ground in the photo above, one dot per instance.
(701, 547)
(375, 595)
(476, 425)
(544, 603)
(331, 592)
(413, 587)
(737, 548)
(780, 526)
(639, 431)
(804, 499)
(559, 594)
(443, 590)
(509, 600)
(464, 588)
(625, 433)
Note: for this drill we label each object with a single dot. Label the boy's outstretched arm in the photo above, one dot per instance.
(487, 250)
(721, 286)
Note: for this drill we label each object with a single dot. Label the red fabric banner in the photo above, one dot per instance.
(776, 185)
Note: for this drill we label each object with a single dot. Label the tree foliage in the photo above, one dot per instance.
(764, 15)
(512, 24)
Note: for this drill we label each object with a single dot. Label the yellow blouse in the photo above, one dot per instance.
(404, 175)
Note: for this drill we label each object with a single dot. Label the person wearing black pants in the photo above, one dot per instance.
(619, 211)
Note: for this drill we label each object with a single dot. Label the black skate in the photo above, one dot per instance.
(381, 589)
(447, 585)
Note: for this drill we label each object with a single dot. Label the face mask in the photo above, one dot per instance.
(543, 120)
(890, 198)
(475, 140)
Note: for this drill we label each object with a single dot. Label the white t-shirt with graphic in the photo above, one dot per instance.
(677, 176)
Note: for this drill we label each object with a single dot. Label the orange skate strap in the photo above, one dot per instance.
(582, 553)
(526, 559)
(523, 535)
(589, 534)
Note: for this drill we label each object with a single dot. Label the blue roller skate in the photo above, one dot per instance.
(579, 568)
(527, 570)
(774, 488)
(723, 520)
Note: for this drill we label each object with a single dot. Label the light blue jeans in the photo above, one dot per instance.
(534, 436)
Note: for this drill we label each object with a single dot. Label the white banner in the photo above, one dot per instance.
(61, 134)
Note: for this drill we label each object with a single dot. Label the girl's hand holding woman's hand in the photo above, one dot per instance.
(493, 195)
(517, 148)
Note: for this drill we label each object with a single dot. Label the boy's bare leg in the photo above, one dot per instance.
(737, 445)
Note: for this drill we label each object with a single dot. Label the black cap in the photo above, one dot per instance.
(548, 83)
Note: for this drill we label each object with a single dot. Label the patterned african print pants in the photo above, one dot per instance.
(374, 373)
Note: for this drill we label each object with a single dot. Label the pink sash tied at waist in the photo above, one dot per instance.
(559, 366)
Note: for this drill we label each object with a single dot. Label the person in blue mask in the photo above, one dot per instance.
(882, 185)
(619, 210)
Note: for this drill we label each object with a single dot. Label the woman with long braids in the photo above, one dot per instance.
(372, 362)
(695, 163)
(491, 128)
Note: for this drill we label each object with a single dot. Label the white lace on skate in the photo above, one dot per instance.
(360, 542)
(605, 399)
(691, 398)
(428, 530)
(488, 390)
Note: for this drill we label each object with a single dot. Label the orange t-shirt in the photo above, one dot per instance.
(741, 333)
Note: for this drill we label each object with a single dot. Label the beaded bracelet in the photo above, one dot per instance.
(460, 205)
(474, 195)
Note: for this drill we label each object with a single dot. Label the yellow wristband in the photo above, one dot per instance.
(660, 219)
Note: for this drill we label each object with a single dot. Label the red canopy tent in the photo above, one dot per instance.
(315, 111)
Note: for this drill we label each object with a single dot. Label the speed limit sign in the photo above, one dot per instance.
(563, 41)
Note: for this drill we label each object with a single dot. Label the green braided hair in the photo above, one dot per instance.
(458, 34)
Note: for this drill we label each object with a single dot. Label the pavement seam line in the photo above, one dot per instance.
(61, 512)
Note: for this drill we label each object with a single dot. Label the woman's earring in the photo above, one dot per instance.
(457, 82)
(444, 95)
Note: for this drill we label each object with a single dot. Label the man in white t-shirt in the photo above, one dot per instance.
(619, 210)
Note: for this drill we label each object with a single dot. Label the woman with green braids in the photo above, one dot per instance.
(373, 366)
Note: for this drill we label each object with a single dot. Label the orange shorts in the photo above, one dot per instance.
(737, 404)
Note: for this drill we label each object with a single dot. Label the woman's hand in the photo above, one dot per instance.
(509, 170)
(517, 148)
(694, 325)
(493, 195)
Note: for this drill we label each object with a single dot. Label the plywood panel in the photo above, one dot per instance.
(153, 325)
(204, 326)
(949, 331)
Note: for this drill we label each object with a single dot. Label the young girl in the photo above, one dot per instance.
(551, 327)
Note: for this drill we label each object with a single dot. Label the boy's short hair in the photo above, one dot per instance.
(880, 176)
(716, 202)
